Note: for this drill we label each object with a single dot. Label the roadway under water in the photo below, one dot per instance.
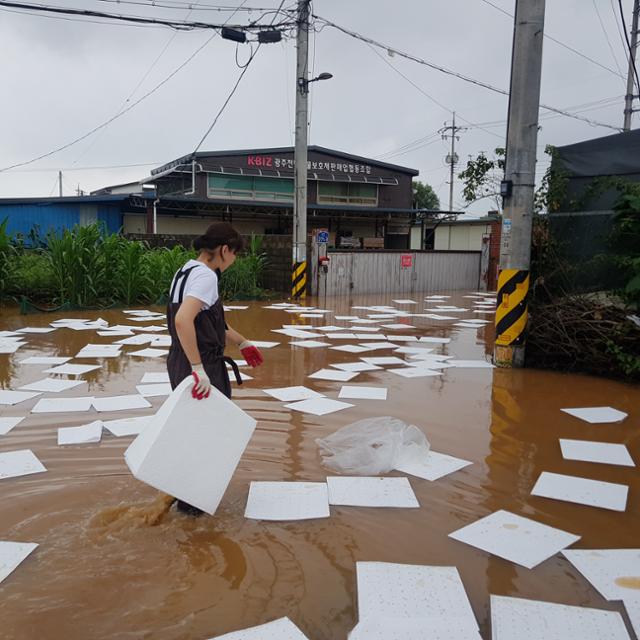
(113, 562)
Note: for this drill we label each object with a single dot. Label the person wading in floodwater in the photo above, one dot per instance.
(195, 317)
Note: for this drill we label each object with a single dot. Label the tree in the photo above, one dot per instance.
(482, 178)
(424, 196)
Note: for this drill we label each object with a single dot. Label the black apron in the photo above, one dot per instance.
(210, 333)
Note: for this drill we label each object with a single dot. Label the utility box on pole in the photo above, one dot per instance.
(518, 186)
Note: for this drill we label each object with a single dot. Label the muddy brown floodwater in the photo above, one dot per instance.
(113, 564)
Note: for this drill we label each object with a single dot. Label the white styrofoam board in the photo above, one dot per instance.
(63, 405)
(292, 394)
(350, 348)
(154, 390)
(433, 628)
(6, 424)
(354, 392)
(155, 377)
(53, 385)
(73, 369)
(333, 374)
(310, 344)
(281, 629)
(13, 554)
(10, 397)
(415, 372)
(356, 366)
(287, 501)
(383, 360)
(520, 619)
(514, 538)
(433, 466)
(85, 434)
(149, 353)
(362, 491)
(120, 403)
(127, 426)
(22, 462)
(596, 415)
(50, 360)
(264, 344)
(602, 452)
(593, 493)
(298, 333)
(318, 406)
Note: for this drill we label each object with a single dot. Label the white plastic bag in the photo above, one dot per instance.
(372, 446)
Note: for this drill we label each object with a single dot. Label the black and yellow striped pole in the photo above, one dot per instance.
(511, 313)
(299, 280)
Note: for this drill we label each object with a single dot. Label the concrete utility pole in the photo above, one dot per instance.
(299, 266)
(452, 158)
(631, 88)
(60, 183)
(518, 185)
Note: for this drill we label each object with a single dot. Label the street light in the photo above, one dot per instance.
(303, 83)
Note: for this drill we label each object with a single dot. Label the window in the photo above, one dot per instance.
(347, 193)
(250, 188)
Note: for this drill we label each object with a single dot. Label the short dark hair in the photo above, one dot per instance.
(217, 235)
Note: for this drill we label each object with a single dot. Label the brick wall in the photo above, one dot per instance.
(277, 275)
(494, 254)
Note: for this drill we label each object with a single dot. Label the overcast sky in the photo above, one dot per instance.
(61, 78)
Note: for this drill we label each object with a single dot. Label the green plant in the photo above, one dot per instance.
(130, 275)
(7, 260)
(33, 277)
(243, 279)
(162, 264)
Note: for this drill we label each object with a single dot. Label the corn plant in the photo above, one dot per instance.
(130, 279)
(7, 260)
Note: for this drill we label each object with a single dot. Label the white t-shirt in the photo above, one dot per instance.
(202, 283)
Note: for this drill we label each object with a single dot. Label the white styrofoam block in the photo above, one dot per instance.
(6, 424)
(292, 394)
(352, 392)
(376, 346)
(309, 344)
(264, 344)
(63, 405)
(596, 415)
(520, 619)
(405, 591)
(350, 348)
(54, 385)
(364, 491)
(404, 301)
(383, 360)
(282, 629)
(51, 360)
(14, 397)
(298, 333)
(332, 374)
(154, 390)
(12, 554)
(356, 366)
(87, 433)
(36, 330)
(318, 406)
(127, 426)
(435, 340)
(19, 463)
(73, 369)
(191, 448)
(602, 452)
(155, 377)
(415, 372)
(593, 493)
(514, 538)
(343, 336)
(433, 466)
(149, 353)
(433, 628)
(120, 403)
(287, 501)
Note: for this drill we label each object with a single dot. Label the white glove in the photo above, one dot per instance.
(201, 385)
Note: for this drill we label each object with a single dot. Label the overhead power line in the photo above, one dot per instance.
(184, 6)
(182, 25)
(606, 36)
(632, 57)
(450, 72)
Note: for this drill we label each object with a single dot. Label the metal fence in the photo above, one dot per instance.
(354, 272)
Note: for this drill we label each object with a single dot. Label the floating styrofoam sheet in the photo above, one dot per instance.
(435, 340)
(381, 316)
(154, 390)
(332, 374)
(383, 360)
(98, 353)
(371, 492)
(63, 405)
(437, 316)
(412, 629)
(73, 369)
(343, 336)
(401, 338)
(191, 448)
(293, 394)
(161, 341)
(467, 325)
(329, 328)
(298, 333)
(433, 466)
(347, 318)
(359, 321)
(236, 307)
(350, 348)
(514, 538)
(85, 434)
(243, 376)
(405, 591)
(135, 340)
(120, 403)
(14, 397)
(12, 554)
(358, 329)
(311, 315)
(50, 360)
(602, 452)
(356, 366)
(404, 301)
(54, 385)
(6, 424)
(36, 330)
(264, 344)
(421, 351)
(415, 372)
(309, 344)
(19, 463)
(593, 493)
(377, 337)
(597, 415)
(117, 333)
(10, 348)
(472, 364)
(282, 629)
(398, 326)
(155, 377)
(363, 393)
(427, 363)
(318, 406)
(613, 572)
(287, 501)
(10, 334)
(149, 353)
(127, 426)
(520, 619)
(375, 346)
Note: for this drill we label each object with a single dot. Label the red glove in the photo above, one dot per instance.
(201, 383)
(251, 354)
